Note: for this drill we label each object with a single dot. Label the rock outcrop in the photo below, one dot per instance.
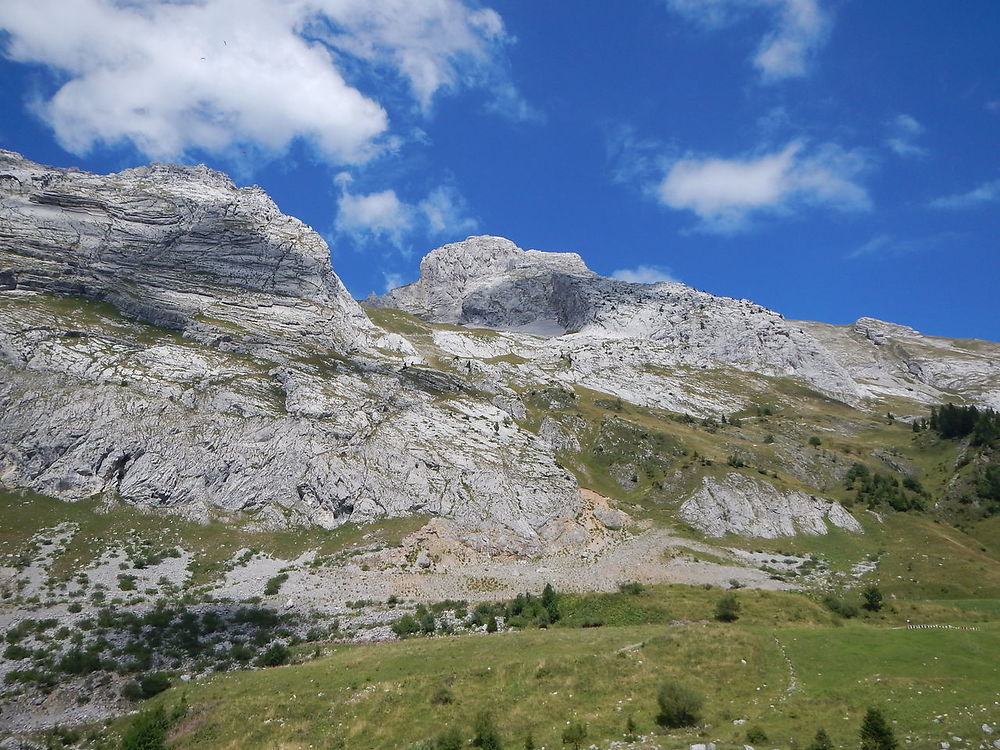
(890, 360)
(174, 341)
(180, 247)
(738, 504)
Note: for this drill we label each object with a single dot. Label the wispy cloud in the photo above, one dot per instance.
(382, 216)
(392, 280)
(725, 194)
(903, 132)
(644, 274)
(988, 192)
(889, 246)
(799, 28)
(221, 75)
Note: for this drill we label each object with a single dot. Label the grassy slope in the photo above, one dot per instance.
(379, 696)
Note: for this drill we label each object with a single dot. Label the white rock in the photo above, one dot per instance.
(739, 504)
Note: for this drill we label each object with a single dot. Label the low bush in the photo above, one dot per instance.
(678, 706)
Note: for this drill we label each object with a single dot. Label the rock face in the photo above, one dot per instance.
(177, 342)
(597, 322)
(886, 359)
(738, 504)
(180, 247)
(653, 343)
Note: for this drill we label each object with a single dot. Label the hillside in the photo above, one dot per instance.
(212, 458)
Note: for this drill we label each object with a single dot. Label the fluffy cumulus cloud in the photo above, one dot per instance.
(644, 274)
(988, 192)
(383, 217)
(375, 215)
(726, 194)
(903, 133)
(799, 28)
(171, 77)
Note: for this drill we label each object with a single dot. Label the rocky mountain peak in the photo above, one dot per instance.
(177, 246)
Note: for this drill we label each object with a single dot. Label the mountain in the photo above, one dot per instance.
(642, 341)
(174, 341)
(177, 343)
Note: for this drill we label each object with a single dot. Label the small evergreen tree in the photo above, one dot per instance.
(550, 600)
(630, 729)
(872, 598)
(876, 734)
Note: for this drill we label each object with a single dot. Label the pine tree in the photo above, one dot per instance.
(876, 734)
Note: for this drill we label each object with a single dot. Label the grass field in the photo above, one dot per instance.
(786, 679)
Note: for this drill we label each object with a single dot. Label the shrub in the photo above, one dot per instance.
(406, 625)
(756, 735)
(839, 606)
(146, 686)
(450, 739)
(574, 735)
(728, 608)
(485, 735)
(822, 741)
(815, 442)
(442, 696)
(273, 585)
(679, 706)
(275, 656)
(632, 588)
(16, 651)
(148, 731)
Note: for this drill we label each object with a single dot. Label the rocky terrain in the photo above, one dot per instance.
(179, 361)
(643, 342)
(178, 342)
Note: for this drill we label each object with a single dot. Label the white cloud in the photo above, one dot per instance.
(382, 216)
(446, 212)
(800, 27)
(988, 192)
(903, 131)
(375, 216)
(726, 193)
(171, 77)
(644, 274)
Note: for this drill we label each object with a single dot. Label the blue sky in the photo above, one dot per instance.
(826, 158)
